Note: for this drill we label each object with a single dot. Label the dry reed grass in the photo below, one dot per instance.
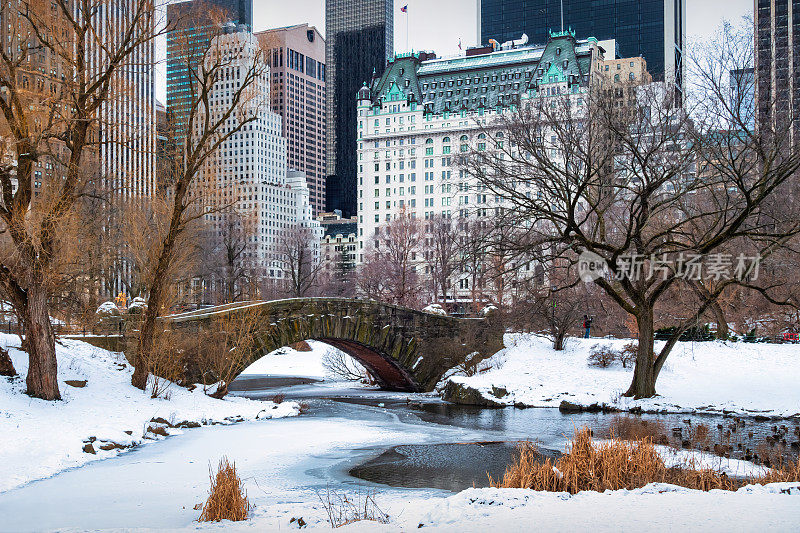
(344, 509)
(618, 464)
(631, 428)
(227, 499)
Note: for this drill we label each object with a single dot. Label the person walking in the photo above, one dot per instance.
(587, 326)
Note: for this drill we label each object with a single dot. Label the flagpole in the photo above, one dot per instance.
(408, 46)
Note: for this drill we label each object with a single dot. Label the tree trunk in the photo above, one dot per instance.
(6, 365)
(221, 392)
(644, 379)
(723, 331)
(144, 348)
(558, 340)
(42, 380)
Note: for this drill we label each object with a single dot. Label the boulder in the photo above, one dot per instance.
(499, 392)
(466, 395)
(77, 383)
(159, 420)
(569, 407)
(88, 448)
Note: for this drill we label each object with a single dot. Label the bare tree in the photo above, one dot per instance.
(53, 119)
(626, 190)
(206, 132)
(391, 263)
(226, 267)
(298, 253)
(442, 254)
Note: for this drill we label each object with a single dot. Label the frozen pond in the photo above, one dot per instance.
(393, 443)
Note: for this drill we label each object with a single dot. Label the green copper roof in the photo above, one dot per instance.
(483, 81)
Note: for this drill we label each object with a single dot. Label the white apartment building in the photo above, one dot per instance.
(421, 114)
(249, 171)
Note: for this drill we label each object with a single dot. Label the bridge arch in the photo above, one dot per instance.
(404, 349)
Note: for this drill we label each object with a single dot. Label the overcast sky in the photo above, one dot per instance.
(438, 25)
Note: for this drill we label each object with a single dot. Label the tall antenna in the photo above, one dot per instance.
(562, 16)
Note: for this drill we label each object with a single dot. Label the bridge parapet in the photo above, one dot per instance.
(405, 349)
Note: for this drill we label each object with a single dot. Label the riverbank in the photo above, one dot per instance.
(751, 380)
(101, 414)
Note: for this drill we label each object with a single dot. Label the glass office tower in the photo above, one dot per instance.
(191, 24)
(654, 29)
(360, 38)
(777, 26)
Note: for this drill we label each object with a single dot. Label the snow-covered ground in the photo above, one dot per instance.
(39, 438)
(289, 362)
(703, 377)
(286, 463)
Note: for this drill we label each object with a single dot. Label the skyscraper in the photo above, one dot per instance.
(192, 24)
(360, 39)
(777, 26)
(743, 97)
(654, 29)
(250, 189)
(296, 55)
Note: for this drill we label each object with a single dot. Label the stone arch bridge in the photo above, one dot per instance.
(404, 349)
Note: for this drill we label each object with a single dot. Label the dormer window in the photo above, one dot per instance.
(558, 51)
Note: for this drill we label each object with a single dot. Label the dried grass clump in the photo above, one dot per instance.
(631, 428)
(788, 472)
(227, 499)
(612, 465)
(343, 509)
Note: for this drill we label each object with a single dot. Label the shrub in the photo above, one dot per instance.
(301, 346)
(627, 356)
(278, 398)
(602, 356)
(227, 500)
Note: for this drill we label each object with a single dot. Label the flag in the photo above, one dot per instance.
(404, 9)
(459, 44)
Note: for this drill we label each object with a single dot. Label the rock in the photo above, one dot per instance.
(187, 424)
(88, 448)
(77, 383)
(129, 432)
(569, 407)
(499, 392)
(157, 430)
(466, 395)
(113, 446)
(520, 405)
(160, 420)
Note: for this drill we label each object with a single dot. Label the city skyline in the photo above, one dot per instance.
(425, 31)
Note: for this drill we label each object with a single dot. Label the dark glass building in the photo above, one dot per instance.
(360, 38)
(192, 25)
(654, 29)
(777, 26)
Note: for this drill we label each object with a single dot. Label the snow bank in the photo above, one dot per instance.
(39, 438)
(702, 377)
(656, 507)
(290, 362)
